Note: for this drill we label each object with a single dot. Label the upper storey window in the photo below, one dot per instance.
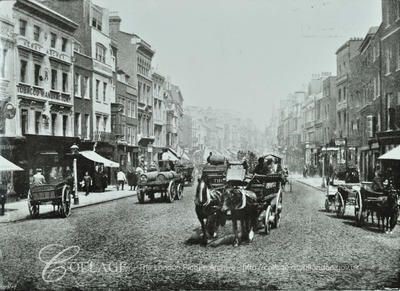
(100, 53)
(97, 19)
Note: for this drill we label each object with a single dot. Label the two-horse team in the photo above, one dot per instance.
(224, 191)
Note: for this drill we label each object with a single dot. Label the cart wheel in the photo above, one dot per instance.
(358, 210)
(179, 191)
(65, 209)
(339, 205)
(33, 208)
(327, 205)
(171, 192)
(267, 221)
(140, 195)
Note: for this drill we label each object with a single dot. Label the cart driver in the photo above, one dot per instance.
(38, 178)
(260, 168)
(377, 184)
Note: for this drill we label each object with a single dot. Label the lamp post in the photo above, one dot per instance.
(75, 152)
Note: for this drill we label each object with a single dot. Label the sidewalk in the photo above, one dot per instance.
(314, 182)
(16, 211)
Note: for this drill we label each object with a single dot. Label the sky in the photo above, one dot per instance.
(244, 55)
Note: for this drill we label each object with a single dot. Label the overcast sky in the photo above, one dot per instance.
(245, 54)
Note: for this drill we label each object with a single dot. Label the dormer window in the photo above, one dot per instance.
(100, 53)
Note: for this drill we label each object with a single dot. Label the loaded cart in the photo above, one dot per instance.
(169, 184)
(59, 195)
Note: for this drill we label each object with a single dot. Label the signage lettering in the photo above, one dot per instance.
(39, 92)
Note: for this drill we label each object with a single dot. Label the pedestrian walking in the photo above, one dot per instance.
(132, 179)
(121, 179)
(87, 182)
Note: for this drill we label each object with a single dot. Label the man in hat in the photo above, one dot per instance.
(38, 178)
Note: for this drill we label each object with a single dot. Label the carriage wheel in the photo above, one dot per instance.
(65, 207)
(339, 205)
(327, 205)
(33, 208)
(140, 195)
(171, 192)
(358, 210)
(179, 191)
(267, 221)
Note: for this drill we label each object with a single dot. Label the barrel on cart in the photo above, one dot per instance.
(168, 184)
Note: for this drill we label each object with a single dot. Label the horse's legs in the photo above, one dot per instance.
(243, 229)
(235, 232)
(203, 229)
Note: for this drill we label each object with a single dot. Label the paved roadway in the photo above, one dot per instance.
(127, 245)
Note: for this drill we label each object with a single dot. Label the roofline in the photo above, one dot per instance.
(46, 10)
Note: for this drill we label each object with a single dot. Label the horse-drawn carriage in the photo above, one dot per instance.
(268, 189)
(58, 195)
(341, 194)
(186, 170)
(168, 183)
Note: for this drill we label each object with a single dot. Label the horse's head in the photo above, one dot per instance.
(234, 199)
(202, 193)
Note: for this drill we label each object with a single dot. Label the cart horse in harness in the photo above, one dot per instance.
(209, 200)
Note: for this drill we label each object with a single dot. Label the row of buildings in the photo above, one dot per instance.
(70, 75)
(354, 117)
(209, 129)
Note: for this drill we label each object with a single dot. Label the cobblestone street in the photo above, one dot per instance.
(125, 244)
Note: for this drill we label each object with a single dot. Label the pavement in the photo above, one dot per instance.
(16, 211)
(314, 182)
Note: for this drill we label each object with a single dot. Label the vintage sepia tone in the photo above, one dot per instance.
(216, 144)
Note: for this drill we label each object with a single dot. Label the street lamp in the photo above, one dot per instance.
(75, 153)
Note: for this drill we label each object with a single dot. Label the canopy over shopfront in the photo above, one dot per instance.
(95, 157)
(6, 165)
(170, 155)
(393, 154)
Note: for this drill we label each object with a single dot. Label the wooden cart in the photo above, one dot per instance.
(58, 195)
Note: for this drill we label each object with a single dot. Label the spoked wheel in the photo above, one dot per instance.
(33, 208)
(267, 221)
(65, 207)
(140, 195)
(358, 210)
(339, 205)
(171, 192)
(179, 191)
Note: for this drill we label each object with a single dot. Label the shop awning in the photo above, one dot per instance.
(95, 157)
(169, 156)
(393, 154)
(6, 165)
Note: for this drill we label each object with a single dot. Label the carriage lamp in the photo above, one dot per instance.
(75, 152)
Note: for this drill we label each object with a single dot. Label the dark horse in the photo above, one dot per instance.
(208, 204)
(389, 211)
(243, 206)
